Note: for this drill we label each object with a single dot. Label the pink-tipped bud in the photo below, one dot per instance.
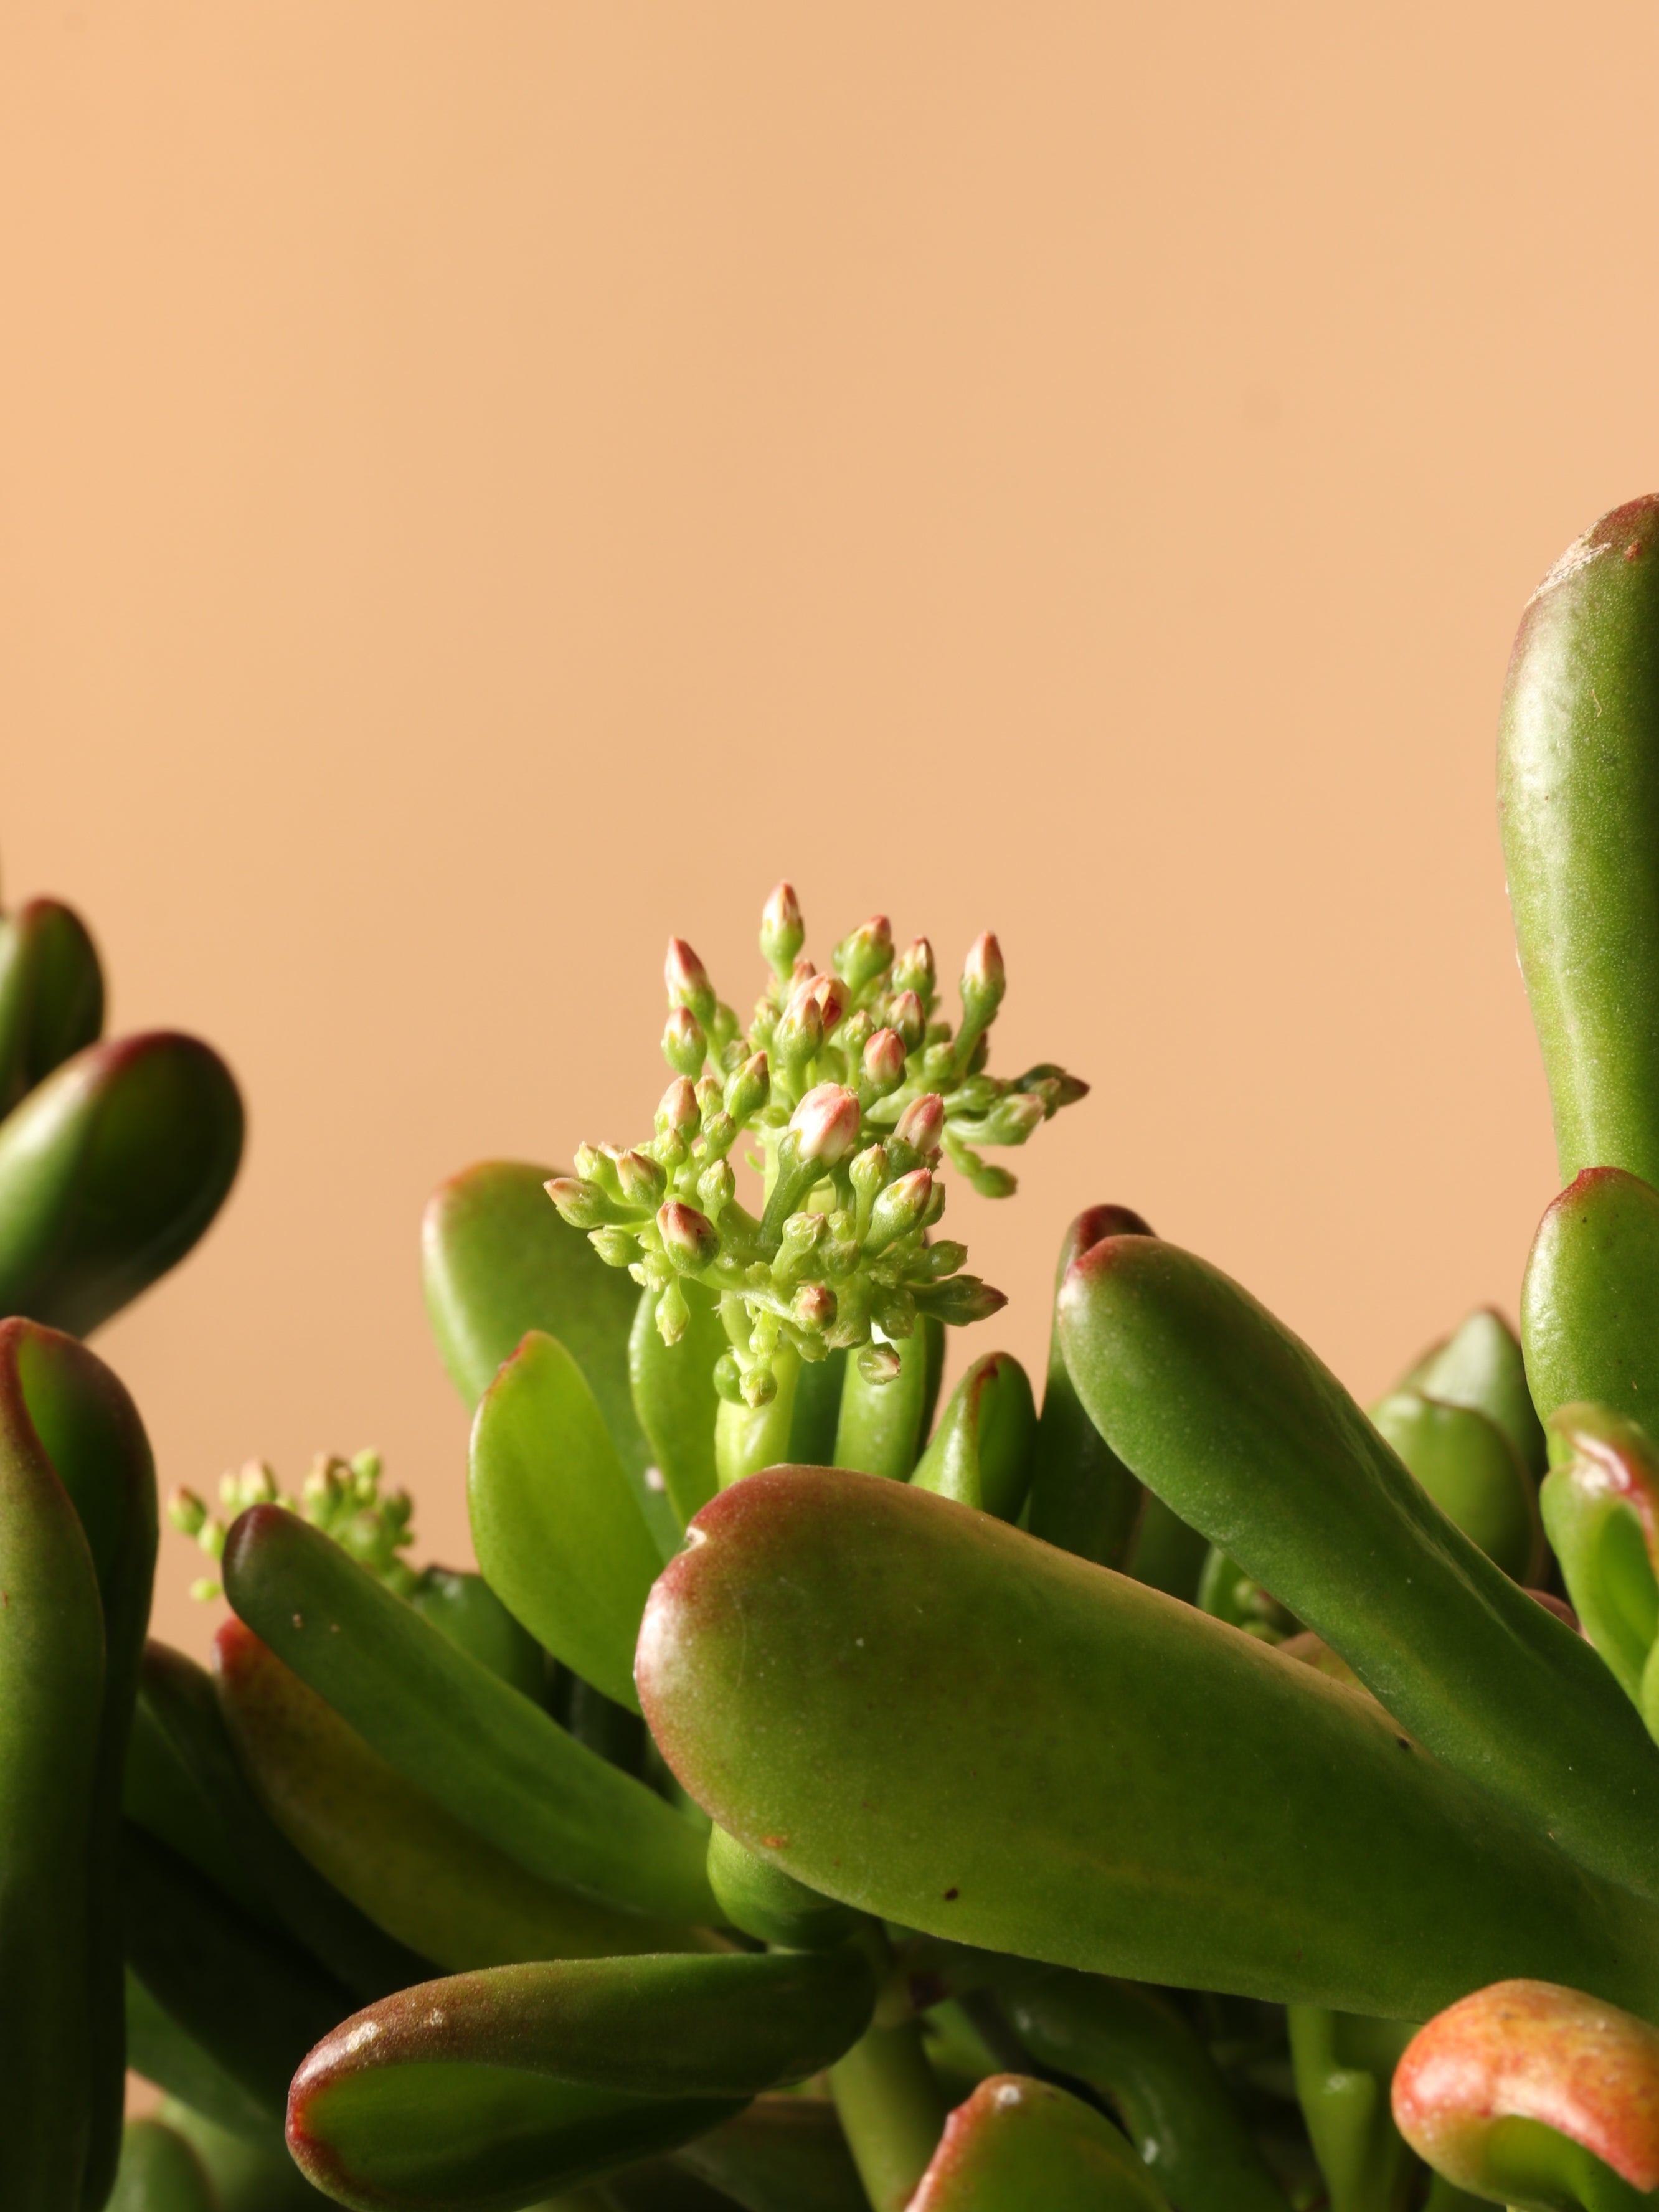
(748, 1088)
(687, 979)
(867, 953)
(782, 932)
(813, 1307)
(583, 1204)
(689, 1238)
(907, 1016)
(800, 1031)
(829, 996)
(922, 1123)
(879, 1364)
(914, 970)
(827, 1123)
(899, 1209)
(678, 1109)
(869, 1171)
(684, 1047)
(883, 1060)
(639, 1178)
(984, 979)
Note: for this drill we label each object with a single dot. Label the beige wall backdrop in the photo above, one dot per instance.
(483, 485)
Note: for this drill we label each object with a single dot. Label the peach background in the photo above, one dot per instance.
(483, 485)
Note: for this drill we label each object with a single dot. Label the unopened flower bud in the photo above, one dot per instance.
(678, 1109)
(914, 970)
(899, 1209)
(922, 1123)
(829, 996)
(964, 1299)
(748, 1091)
(865, 953)
(799, 1032)
(688, 982)
(186, 1512)
(869, 1171)
(879, 1364)
(782, 932)
(684, 1047)
(884, 1060)
(640, 1180)
(854, 1033)
(827, 1123)
(717, 1187)
(614, 1246)
(802, 1233)
(720, 1134)
(257, 1484)
(813, 1307)
(944, 1258)
(673, 1314)
(759, 1386)
(583, 1204)
(728, 1379)
(906, 1015)
(984, 980)
(689, 1238)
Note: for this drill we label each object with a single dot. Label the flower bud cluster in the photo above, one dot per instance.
(858, 1093)
(341, 1496)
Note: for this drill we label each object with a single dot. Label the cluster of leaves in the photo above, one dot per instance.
(857, 1090)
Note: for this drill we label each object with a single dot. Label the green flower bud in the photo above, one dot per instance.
(641, 1181)
(748, 1089)
(961, 1301)
(867, 953)
(690, 1239)
(614, 1246)
(813, 1307)
(869, 1173)
(583, 1205)
(1053, 1084)
(684, 1047)
(782, 932)
(800, 1033)
(827, 1123)
(728, 1378)
(894, 1312)
(256, 1485)
(802, 1234)
(883, 1061)
(905, 1014)
(944, 1258)
(673, 1314)
(898, 1210)
(710, 1095)
(759, 1386)
(914, 970)
(879, 1364)
(688, 982)
(717, 1187)
(187, 1512)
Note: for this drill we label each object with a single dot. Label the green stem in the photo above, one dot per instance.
(893, 2112)
(748, 1437)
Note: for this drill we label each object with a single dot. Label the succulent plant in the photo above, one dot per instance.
(1198, 1792)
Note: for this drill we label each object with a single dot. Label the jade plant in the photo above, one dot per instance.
(1179, 1790)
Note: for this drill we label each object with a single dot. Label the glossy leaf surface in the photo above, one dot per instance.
(1343, 2068)
(1601, 1506)
(1083, 1497)
(467, 1610)
(1590, 1306)
(159, 2172)
(110, 1170)
(555, 1525)
(1481, 1365)
(675, 1401)
(1019, 2143)
(980, 1452)
(1124, 1790)
(1237, 1424)
(883, 1426)
(494, 1759)
(485, 2089)
(1473, 1473)
(53, 1707)
(1578, 802)
(422, 1875)
(52, 995)
(1130, 2043)
(1536, 2096)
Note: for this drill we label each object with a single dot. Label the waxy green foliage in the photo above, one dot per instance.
(486, 2089)
(1016, 2142)
(767, 1663)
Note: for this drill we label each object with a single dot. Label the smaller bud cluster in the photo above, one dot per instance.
(341, 1496)
(859, 1092)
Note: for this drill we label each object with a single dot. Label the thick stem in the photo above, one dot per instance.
(893, 2112)
(748, 1437)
